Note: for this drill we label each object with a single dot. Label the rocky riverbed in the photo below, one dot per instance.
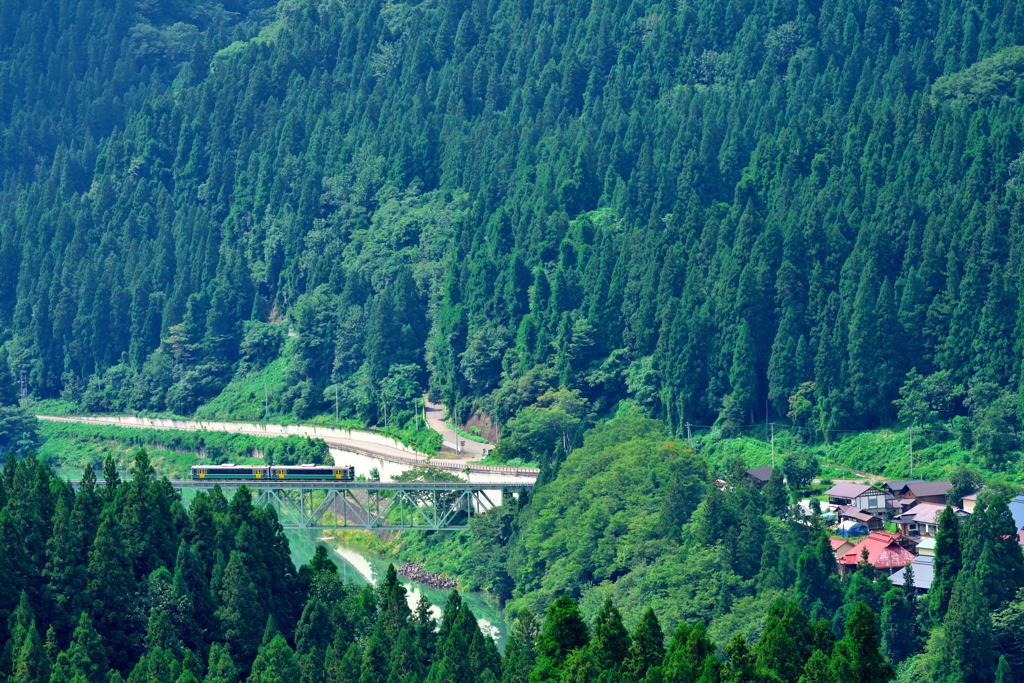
(417, 573)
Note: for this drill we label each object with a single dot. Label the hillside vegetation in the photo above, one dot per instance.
(699, 207)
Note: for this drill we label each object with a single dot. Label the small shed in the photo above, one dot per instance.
(926, 547)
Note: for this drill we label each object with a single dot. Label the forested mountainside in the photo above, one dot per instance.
(114, 583)
(698, 206)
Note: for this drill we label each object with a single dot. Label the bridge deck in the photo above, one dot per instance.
(371, 505)
(353, 485)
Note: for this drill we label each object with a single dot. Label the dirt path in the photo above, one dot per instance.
(858, 475)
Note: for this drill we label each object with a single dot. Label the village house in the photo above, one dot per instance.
(869, 520)
(760, 475)
(923, 519)
(926, 548)
(840, 546)
(884, 553)
(862, 497)
(1017, 510)
(922, 491)
(924, 573)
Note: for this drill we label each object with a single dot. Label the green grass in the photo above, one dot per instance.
(465, 434)
(74, 445)
(242, 400)
(49, 406)
(70, 456)
(882, 453)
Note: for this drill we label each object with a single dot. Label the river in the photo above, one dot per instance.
(361, 567)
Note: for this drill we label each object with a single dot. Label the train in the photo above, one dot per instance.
(293, 472)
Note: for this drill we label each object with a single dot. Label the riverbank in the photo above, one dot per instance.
(417, 573)
(361, 565)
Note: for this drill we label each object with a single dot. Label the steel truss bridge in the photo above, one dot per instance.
(378, 506)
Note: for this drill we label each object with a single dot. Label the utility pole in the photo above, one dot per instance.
(773, 443)
(911, 430)
(689, 435)
(335, 404)
(266, 402)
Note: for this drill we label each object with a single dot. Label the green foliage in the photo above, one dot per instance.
(89, 441)
(564, 632)
(994, 76)
(19, 431)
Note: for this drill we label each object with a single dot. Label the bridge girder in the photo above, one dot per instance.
(384, 506)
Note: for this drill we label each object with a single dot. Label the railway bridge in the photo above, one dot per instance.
(376, 506)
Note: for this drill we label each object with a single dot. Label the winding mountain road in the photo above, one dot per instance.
(434, 412)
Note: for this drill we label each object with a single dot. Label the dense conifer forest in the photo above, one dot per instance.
(114, 583)
(706, 208)
(616, 218)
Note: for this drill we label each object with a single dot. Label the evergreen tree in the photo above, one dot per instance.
(785, 645)
(241, 617)
(1003, 672)
(776, 497)
(742, 376)
(741, 667)
(947, 563)
(817, 580)
(564, 631)
(968, 653)
(610, 645)
(31, 663)
(858, 656)
(111, 583)
(646, 649)
(688, 653)
(520, 652)
(275, 663)
(220, 667)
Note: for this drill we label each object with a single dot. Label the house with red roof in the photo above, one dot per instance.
(884, 553)
(840, 546)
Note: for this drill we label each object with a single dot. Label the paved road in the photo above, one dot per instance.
(435, 418)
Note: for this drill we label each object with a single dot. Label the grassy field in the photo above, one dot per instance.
(882, 453)
(70, 445)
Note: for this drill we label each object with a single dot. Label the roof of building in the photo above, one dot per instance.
(923, 513)
(926, 544)
(924, 572)
(1020, 537)
(1017, 510)
(762, 474)
(838, 543)
(971, 496)
(848, 490)
(895, 486)
(853, 513)
(928, 488)
(883, 551)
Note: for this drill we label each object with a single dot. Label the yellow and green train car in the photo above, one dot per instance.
(233, 472)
